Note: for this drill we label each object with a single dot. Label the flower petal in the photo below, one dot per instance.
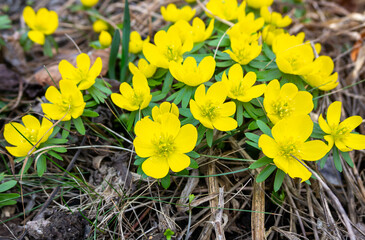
(355, 141)
(225, 124)
(289, 90)
(227, 109)
(351, 123)
(36, 36)
(123, 102)
(185, 140)
(68, 71)
(334, 114)
(19, 151)
(29, 16)
(313, 150)
(178, 162)
(83, 62)
(268, 145)
(31, 122)
(95, 69)
(12, 135)
(303, 103)
(298, 127)
(217, 93)
(292, 167)
(155, 167)
(323, 125)
(144, 147)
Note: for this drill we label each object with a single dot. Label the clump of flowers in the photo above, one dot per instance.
(26, 138)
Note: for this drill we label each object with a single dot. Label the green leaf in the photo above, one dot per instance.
(264, 174)
(7, 185)
(337, 159)
(90, 113)
(264, 128)
(167, 83)
(197, 46)
(59, 149)
(41, 165)
(193, 164)
(180, 95)
(55, 155)
(239, 113)
(66, 130)
(5, 22)
(57, 141)
(138, 160)
(268, 52)
(187, 96)
(260, 162)
(79, 125)
(279, 178)
(253, 144)
(253, 137)
(268, 75)
(165, 182)
(125, 41)
(183, 172)
(324, 160)
(209, 136)
(317, 131)
(113, 54)
(201, 131)
(47, 48)
(131, 119)
(193, 154)
(2, 176)
(347, 158)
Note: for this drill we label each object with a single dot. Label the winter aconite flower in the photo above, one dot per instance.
(136, 42)
(289, 144)
(89, 3)
(321, 75)
(105, 39)
(191, 74)
(164, 144)
(173, 14)
(197, 31)
(241, 88)
(339, 133)
(65, 104)
(269, 33)
(99, 25)
(209, 108)
(281, 103)
(144, 67)
(25, 137)
(259, 3)
(226, 9)
(168, 47)
(83, 75)
(244, 50)
(163, 109)
(134, 98)
(42, 23)
(275, 18)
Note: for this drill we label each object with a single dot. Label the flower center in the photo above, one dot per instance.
(238, 90)
(172, 54)
(209, 111)
(339, 133)
(165, 146)
(283, 108)
(31, 135)
(137, 99)
(289, 149)
(65, 105)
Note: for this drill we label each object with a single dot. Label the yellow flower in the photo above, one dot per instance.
(226, 9)
(136, 42)
(209, 108)
(83, 75)
(197, 30)
(189, 73)
(259, 3)
(105, 39)
(275, 18)
(134, 98)
(99, 25)
(243, 50)
(241, 88)
(289, 144)
(339, 133)
(24, 137)
(163, 109)
(144, 67)
(67, 104)
(168, 47)
(89, 3)
(321, 75)
(286, 41)
(246, 25)
(43, 23)
(164, 144)
(287, 101)
(173, 14)
(270, 32)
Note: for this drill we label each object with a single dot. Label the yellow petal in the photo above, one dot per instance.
(253, 92)
(206, 68)
(342, 146)
(51, 23)
(268, 145)
(140, 83)
(178, 162)
(292, 167)
(351, 123)
(147, 129)
(77, 111)
(126, 90)
(54, 112)
(303, 103)
(330, 140)
(83, 62)
(298, 127)
(199, 95)
(217, 92)
(289, 90)
(185, 140)
(19, 151)
(36, 36)
(144, 147)
(46, 130)
(225, 124)
(155, 167)
(31, 122)
(334, 114)
(68, 71)
(29, 16)
(171, 124)
(227, 109)
(53, 95)
(235, 73)
(323, 125)
(123, 102)
(355, 141)
(154, 56)
(12, 135)
(313, 150)
(95, 69)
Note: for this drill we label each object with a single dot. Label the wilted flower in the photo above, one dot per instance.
(105, 39)
(67, 104)
(209, 108)
(168, 47)
(289, 144)
(189, 73)
(25, 137)
(174, 14)
(144, 67)
(43, 23)
(83, 75)
(287, 101)
(164, 144)
(241, 88)
(99, 25)
(339, 133)
(134, 98)
(136, 42)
